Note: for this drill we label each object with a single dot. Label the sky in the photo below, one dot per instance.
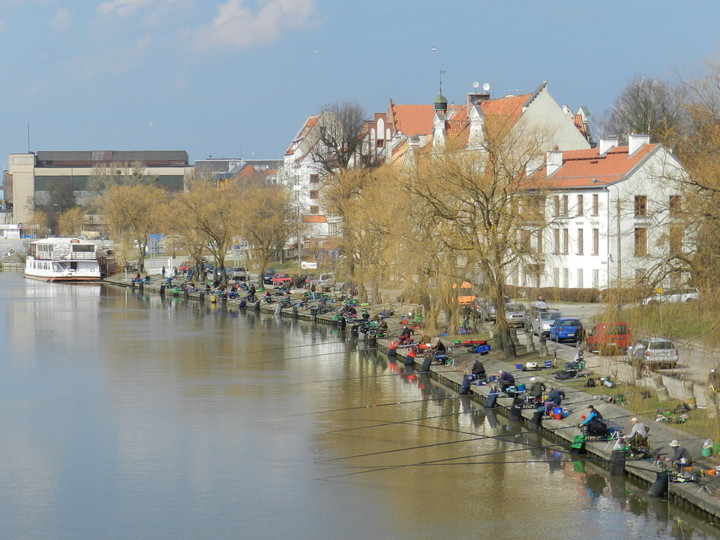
(238, 78)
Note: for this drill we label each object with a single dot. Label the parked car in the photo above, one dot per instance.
(515, 315)
(652, 352)
(533, 313)
(487, 311)
(323, 281)
(281, 279)
(609, 338)
(543, 322)
(239, 273)
(671, 296)
(566, 328)
(268, 276)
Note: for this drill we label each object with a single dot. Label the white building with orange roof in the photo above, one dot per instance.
(405, 126)
(612, 218)
(303, 175)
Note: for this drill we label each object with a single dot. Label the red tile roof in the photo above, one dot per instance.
(581, 166)
(511, 106)
(413, 119)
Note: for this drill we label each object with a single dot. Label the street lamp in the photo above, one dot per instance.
(619, 251)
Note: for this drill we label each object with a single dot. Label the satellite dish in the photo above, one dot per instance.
(476, 85)
(486, 87)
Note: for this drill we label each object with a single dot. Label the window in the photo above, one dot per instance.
(580, 205)
(641, 243)
(675, 240)
(539, 240)
(314, 178)
(314, 194)
(580, 279)
(566, 277)
(525, 237)
(556, 206)
(675, 205)
(556, 240)
(596, 241)
(556, 277)
(564, 206)
(596, 278)
(640, 205)
(566, 241)
(595, 204)
(314, 209)
(580, 242)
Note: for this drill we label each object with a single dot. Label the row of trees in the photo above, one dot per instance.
(204, 219)
(454, 215)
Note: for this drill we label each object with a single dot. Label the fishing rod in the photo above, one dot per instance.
(373, 406)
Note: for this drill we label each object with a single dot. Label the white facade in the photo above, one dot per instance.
(607, 232)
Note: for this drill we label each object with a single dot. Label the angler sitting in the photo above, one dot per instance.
(478, 371)
(638, 436)
(536, 390)
(404, 337)
(681, 458)
(594, 423)
(554, 399)
(506, 380)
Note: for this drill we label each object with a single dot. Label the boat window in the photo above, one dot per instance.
(84, 248)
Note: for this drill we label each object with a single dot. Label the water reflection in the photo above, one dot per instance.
(162, 417)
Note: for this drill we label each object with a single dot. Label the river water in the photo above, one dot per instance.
(127, 416)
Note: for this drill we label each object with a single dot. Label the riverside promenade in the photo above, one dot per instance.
(703, 495)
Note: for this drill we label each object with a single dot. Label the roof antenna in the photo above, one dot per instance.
(442, 72)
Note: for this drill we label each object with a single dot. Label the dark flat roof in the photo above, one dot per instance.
(88, 158)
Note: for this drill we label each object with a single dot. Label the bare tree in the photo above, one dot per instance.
(648, 106)
(340, 131)
(132, 213)
(268, 220)
(471, 200)
(214, 214)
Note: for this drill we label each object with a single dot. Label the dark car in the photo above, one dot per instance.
(565, 329)
(268, 276)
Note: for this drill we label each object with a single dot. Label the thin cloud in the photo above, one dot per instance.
(238, 26)
(61, 20)
(126, 8)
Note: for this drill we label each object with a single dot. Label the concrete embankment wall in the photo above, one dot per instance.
(564, 430)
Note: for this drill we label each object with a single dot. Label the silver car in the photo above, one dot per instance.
(515, 315)
(652, 352)
(541, 325)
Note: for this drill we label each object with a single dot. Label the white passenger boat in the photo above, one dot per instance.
(62, 259)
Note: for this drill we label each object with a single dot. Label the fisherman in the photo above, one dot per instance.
(555, 397)
(506, 380)
(478, 371)
(638, 436)
(593, 423)
(536, 390)
(681, 458)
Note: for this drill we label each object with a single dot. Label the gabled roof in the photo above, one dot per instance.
(304, 130)
(412, 119)
(510, 106)
(580, 167)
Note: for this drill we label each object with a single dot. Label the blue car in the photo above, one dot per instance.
(565, 329)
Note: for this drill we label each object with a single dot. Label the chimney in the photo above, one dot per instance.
(635, 142)
(607, 144)
(554, 161)
(475, 98)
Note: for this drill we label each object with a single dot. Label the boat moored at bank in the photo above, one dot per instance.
(62, 259)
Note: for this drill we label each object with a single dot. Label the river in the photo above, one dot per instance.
(128, 416)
